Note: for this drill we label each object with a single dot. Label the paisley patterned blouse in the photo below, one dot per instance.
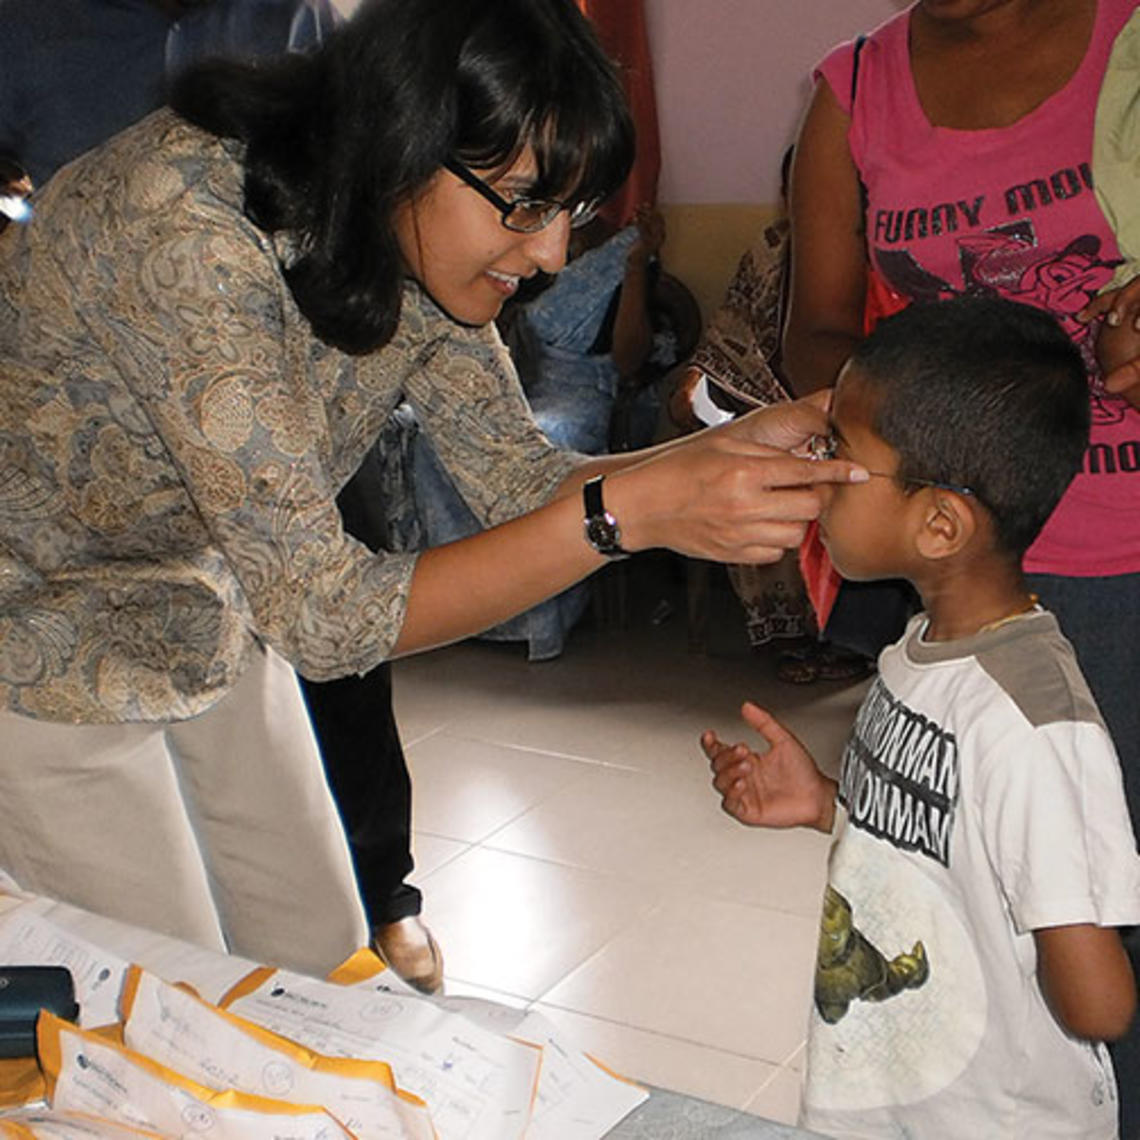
(173, 436)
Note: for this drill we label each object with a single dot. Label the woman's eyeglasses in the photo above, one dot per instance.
(826, 446)
(524, 215)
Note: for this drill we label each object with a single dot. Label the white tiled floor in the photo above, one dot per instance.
(573, 855)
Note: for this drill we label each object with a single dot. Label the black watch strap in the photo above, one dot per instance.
(602, 530)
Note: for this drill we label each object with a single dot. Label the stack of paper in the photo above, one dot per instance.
(245, 1052)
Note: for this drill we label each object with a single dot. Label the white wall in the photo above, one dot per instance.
(732, 79)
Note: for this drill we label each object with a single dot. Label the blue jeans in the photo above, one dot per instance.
(1101, 617)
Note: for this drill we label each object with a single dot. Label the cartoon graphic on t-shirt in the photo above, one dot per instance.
(850, 968)
(1008, 260)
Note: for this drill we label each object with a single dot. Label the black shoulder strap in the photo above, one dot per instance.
(859, 42)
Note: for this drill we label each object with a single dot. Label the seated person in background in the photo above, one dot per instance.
(969, 966)
(737, 366)
(589, 331)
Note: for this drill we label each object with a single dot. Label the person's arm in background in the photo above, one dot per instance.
(633, 327)
(829, 278)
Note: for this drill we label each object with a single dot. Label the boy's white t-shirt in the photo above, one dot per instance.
(984, 800)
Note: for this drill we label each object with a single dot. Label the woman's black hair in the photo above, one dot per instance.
(337, 139)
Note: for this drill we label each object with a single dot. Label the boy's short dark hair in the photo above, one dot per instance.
(983, 393)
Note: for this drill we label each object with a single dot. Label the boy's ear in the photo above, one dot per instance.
(947, 523)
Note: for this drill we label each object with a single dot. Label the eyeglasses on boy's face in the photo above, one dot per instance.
(827, 446)
(524, 215)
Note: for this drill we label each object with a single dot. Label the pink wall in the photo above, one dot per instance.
(732, 80)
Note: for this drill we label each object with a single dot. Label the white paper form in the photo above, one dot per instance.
(477, 1085)
(577, 1098)
(493, 1016)
(48, 927)
(97, 1078)
(183, 1033)
(26, 939)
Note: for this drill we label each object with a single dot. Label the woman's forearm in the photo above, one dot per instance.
(469, 585)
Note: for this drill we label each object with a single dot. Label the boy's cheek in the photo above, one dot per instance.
(831, 497)
(832, 530)
(835, 553)
(826, 522)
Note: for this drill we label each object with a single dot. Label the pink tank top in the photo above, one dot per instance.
(1010, 210)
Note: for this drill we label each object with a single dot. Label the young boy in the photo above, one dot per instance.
(968, 965)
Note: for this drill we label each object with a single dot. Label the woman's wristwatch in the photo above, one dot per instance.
(602, 530)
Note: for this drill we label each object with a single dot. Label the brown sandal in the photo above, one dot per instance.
(843, 665)
(799, 666)
(821, 661)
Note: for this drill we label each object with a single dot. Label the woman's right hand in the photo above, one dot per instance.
(733, 493)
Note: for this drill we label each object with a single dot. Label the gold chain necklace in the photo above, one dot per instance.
(989, 627)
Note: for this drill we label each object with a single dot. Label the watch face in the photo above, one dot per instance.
(602, 533)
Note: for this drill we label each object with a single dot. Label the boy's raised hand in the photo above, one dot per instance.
(781, 787)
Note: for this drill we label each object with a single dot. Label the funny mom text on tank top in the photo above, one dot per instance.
(899, 779)
(1001, 245)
